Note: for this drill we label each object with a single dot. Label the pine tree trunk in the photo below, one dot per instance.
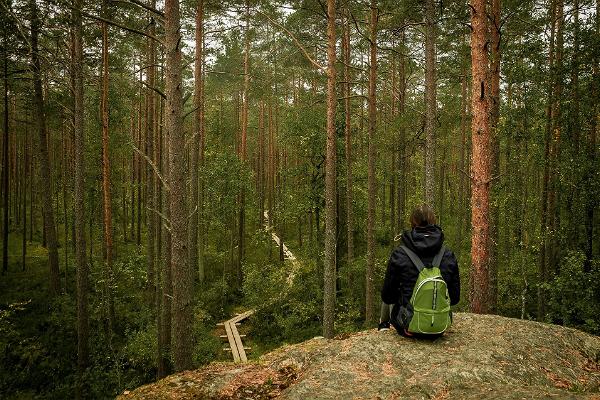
(151, 180)
(106, 195)
(196, 222)
(183, 275)
(243, 150)
(330, 179)
(543, 264)
(45, 186)
(552, 253)
(82, 270)
(372, 189)
(480, 171)
(348, 138)
(5, 181)
(430, 102)
(495, 162)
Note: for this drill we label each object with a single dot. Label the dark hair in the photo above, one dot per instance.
(422, 215)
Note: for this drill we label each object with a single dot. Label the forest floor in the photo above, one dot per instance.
(481, 356)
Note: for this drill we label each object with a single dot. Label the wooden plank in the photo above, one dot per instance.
(232, 343)
(239, 344)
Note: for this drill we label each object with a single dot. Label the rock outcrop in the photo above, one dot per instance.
(481, 357)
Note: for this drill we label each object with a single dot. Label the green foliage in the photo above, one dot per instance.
(574, 294)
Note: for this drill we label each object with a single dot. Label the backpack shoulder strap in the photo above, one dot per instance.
(437, 260)
(414, 258)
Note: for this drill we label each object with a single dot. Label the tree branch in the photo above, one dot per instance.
(296, 41)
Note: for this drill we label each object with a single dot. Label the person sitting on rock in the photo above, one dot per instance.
(425, 241)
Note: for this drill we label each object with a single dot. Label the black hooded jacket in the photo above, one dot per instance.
(401, 274)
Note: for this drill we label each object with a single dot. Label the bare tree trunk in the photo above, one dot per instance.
(166, 289)
(82, 271)
(372, 189)
(151, 180)
(430, 102)
(480, 171)
(543, 266)
(45, 186)
(553, 218)
(348, 137)
(5, 181)
(402, 162)
(183, 275)
(494, 119)
(330, 179)
(106, 195)
(243, 150)
(197, 160)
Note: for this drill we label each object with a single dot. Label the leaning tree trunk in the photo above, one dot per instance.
(370, 287)
(45, 188)
(183, 275)
(330, 179)
(79, 198)
(480, 170)
(430, 102)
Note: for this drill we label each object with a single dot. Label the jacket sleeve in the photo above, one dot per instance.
(454, 279)
(390, 292)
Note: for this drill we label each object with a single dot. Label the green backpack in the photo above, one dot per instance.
(430, 302)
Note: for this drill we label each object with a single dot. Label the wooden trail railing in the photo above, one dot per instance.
(234, 338)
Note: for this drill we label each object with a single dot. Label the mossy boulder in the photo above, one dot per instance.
(481, 356)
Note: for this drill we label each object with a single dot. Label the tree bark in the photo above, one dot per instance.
(552, 253)
(430, 102)
(5, 180)
(151, 181)
(480, 170)
(45, 185)
(197, 141)
(106, 195)
(330, 179)
(243, 150)
(348, 137)
(82, 271)
(372, 189)
(495, 162)
(183, 275)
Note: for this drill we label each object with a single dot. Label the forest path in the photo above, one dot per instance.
(238, 351)
(287, 254)
(234, 338)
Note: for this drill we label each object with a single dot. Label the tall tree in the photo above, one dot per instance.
(196, 142)
(183, 275)
(79, 198)
(430, 101)
(495, 56)
(243, 147)
(370, 287)
(330, 179)
(106, 196)
(5, 145)
(348, 138)
(45, 184)
(151, 197)
(480, 169)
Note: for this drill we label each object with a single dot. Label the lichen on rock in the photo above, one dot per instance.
(481, 356)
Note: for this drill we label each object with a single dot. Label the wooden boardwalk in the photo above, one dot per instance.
(234, 338)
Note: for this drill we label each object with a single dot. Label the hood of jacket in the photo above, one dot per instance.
(424, 240)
